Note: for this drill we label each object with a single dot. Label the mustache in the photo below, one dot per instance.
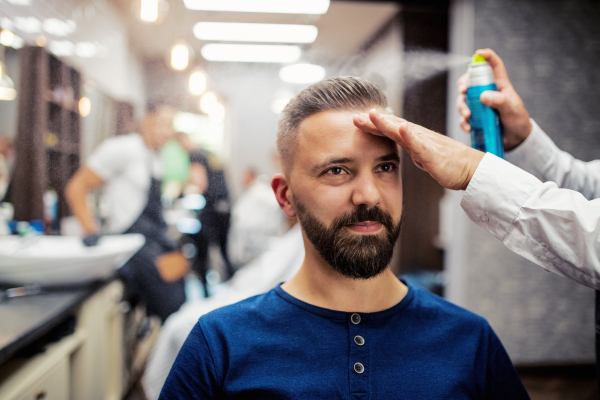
(363, 214)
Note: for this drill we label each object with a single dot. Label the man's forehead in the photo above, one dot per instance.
(333, 133)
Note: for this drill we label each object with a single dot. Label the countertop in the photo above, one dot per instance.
(25, 319)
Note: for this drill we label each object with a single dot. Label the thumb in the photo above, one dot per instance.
(493, 99)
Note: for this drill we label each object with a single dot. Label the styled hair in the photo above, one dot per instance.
(342, 93)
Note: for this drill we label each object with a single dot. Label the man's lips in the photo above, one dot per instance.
(365, 227)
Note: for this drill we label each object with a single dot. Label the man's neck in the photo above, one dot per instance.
(317, 283)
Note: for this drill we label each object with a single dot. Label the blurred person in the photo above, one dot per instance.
(344, 325)
(7, 150)
(208, 175)
(256, 218)
(129, 169)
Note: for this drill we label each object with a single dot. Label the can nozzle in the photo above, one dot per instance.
(477, 58)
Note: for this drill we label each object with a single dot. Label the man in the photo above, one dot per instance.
(129, 168)
(344, 326)
(208, 175)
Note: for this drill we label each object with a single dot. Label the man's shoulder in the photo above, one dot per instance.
(437, 308)
(242, 313)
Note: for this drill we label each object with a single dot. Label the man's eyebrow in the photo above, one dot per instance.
(332, 161)
(389, 157)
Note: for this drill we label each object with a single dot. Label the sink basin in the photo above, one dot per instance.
(56, 260)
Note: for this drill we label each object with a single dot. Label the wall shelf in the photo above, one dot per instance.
(47, 144)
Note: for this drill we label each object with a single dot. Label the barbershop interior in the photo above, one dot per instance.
(138, 147)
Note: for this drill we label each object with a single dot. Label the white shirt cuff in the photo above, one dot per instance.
(496, 193)
(534, 153)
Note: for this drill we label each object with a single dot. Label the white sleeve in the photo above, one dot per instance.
(110, 157)
(557, 229)
(541, 157)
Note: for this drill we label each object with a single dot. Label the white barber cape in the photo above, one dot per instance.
(556, 228)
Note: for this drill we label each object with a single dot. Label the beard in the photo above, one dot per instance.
(352, 255)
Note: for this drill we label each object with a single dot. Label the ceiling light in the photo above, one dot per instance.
(241, 32)
(217, 113)
(7, 87)
(251, 53)
(41, 40)
(197, 84)
(6, 37)
(85, 50)
(261, 6)
(149, 10)
(57, 27)
(85, 106)
(20, 2)
(180, 56)
(28, 24)
(61, 48)
(208, 102)
(302, 73)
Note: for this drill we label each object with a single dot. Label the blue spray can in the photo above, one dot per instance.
(486, 130)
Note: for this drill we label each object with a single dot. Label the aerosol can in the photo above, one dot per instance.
(486, 131)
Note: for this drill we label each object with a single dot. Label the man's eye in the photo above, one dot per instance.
(335, 171)
(387, 167)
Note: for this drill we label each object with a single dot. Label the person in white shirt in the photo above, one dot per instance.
(547, 211)
(556, 227)
(130, 170)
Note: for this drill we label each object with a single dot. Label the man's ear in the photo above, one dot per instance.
(282, 192)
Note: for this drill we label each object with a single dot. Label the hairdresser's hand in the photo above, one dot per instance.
(513, 114)
(449, 162)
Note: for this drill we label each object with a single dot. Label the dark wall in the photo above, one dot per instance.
(552, 52)
(424, 103)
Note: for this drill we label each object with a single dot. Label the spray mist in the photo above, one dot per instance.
(486, 130)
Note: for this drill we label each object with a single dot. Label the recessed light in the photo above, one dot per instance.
(251, 53)
(261, 6)
(243, 32)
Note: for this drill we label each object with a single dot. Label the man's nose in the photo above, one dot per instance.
(366, 191)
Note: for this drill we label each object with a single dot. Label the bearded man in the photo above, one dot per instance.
(344, 327)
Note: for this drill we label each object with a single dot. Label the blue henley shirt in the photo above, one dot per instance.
(274, 346)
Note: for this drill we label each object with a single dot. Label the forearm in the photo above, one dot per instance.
(77, 199)
(557, 229)
(539, 156)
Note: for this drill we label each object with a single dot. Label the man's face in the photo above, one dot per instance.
(347, 193)
(158, 127)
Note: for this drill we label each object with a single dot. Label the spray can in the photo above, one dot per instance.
(486, 131)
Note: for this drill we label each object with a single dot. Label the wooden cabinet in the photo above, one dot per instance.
(47, 144)
(87, 364)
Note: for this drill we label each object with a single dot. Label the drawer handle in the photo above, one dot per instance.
(41, 395)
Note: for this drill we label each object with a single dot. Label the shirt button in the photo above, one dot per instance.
(359, 340)
(359, 368)
(485, 218)
(355, 318)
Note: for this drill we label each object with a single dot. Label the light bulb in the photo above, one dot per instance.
(197, 82)
(85, 106)
(180, 56)
(207, 102)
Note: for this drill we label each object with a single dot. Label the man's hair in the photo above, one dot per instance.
(341, 93)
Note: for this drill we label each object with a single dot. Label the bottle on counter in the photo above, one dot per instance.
(486, 130)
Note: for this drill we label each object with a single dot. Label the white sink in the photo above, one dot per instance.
(55, 260)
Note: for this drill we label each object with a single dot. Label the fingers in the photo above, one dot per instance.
(386, 124)
(362, 122)
(463, 108)
(497, 65)
(463, 83)
(493, 99)
(465, 126)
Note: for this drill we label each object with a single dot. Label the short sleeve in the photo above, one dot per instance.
(502, 380)
(193, 375)
(110, 157)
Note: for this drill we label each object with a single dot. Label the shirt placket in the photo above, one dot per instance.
(359, 356)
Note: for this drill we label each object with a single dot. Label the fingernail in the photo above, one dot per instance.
(360, 118)
(486, 96)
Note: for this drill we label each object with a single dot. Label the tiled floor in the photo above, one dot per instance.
(560, 383)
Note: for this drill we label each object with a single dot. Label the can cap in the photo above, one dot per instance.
(477, 58)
